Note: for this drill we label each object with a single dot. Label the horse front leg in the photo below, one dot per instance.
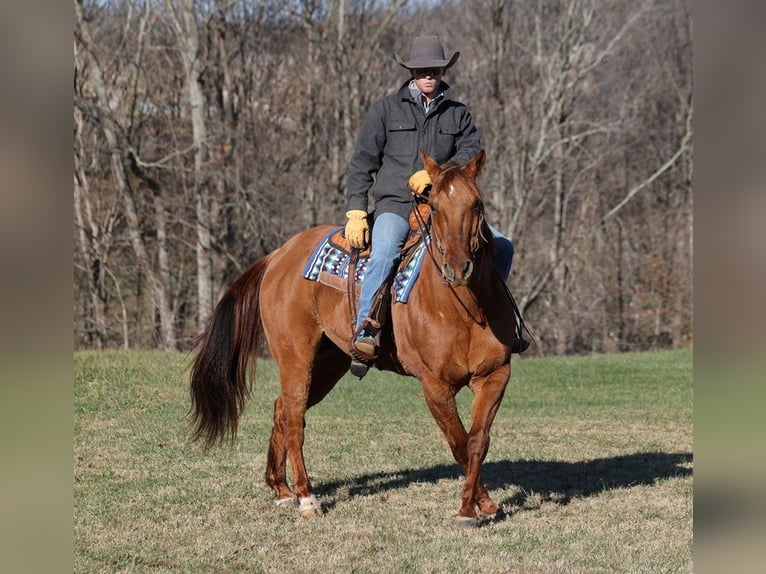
(440, 399)
(487, 396)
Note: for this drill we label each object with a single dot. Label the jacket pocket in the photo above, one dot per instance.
(402, 138)
(446, 135)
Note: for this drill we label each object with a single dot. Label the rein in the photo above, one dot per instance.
(426, 233)
(351, 289)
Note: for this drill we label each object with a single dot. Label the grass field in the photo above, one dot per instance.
(591, 457)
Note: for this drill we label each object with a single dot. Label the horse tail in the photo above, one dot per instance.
(219, 374)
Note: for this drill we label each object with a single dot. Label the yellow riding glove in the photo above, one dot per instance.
(419, 181)
(357, 229)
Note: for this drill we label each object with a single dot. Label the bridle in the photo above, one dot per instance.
(430, 236)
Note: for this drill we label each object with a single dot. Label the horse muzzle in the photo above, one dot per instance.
(457, 275)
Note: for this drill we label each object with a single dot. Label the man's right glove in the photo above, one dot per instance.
(419, 182)
(357, 229)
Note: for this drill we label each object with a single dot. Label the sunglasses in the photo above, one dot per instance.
(427, 72)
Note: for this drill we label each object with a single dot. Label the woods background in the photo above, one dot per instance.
(208, 132)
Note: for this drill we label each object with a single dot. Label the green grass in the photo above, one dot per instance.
(590, 457)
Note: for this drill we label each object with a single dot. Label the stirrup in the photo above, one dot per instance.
(361, 359)
(358, 368)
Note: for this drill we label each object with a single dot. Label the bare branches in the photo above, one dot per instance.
(208, 133)
(684, 147)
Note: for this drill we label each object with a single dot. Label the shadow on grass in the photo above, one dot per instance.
(539, 480)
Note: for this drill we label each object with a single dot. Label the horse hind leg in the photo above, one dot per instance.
(276, 463)
(286, 443)
(329, 366)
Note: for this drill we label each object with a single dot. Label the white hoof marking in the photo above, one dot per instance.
(310, 506)
(286, 502)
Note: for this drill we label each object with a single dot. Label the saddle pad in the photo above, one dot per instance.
(330, 259)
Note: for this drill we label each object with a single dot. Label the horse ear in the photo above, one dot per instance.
(476, 164)
(430, 165)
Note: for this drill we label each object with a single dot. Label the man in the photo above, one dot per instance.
(422, 115)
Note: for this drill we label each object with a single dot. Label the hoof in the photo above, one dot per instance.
(310, 507)
(465, 522)
(288, 502)
(496, 517)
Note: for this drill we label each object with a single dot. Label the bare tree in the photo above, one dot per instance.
(206, 133)
(94, 237)
(183, 17)
(98, 106)
(550, 99)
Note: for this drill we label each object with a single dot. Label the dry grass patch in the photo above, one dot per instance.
(590, 457)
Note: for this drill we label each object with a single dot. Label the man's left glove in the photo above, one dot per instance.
(419, 182)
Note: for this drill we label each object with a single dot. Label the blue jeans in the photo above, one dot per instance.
(503, 253)
(388, 236)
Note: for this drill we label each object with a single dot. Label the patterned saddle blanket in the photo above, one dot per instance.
(330, 264)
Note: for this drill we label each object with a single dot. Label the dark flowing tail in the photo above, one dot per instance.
(219, 375)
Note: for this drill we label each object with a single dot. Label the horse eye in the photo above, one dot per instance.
(477, 205)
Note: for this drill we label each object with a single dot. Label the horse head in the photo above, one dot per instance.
(457, 217)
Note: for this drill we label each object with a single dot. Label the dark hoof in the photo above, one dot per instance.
(498, 516)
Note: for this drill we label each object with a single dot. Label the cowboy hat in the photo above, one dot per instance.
(427, 52)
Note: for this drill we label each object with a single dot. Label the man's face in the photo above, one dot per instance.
(427, 79)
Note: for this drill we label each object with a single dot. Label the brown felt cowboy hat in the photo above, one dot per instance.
(427, 52)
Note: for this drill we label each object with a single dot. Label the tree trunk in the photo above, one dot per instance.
(187, 35)
(117, 161)
(87, 235)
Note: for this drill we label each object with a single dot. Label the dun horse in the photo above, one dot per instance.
(456, 330)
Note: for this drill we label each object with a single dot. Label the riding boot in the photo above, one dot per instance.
(364, 347)
(364, 344)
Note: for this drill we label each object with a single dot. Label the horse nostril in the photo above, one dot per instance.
(467, 269)
(449, 274)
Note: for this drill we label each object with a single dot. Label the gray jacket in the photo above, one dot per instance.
(388, 148)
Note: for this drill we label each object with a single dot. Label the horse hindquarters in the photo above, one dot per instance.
(309, 363)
